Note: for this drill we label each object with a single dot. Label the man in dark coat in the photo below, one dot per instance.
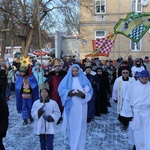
(103, 91)
(3, 78)
(4, 113)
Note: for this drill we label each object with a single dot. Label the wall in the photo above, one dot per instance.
(90, 22)
(66, 45)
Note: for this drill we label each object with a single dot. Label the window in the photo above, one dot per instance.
(100, 6)
(136, 6)
(135, 46)
(100, 34)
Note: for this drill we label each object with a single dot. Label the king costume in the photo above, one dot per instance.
(26, 88)
(75, 108)
(56, 76)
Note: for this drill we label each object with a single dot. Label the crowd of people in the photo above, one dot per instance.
(73, 93)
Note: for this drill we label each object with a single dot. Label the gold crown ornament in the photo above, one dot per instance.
(88, 65)
(57, 62)
(24, 62)
(44, 86)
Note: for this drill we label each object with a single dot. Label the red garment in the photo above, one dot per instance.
(54, 82)
(29, 71)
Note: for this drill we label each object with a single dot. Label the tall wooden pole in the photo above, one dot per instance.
(39, 30)
(40, 45)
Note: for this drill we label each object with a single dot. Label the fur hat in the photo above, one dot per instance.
(57, 62)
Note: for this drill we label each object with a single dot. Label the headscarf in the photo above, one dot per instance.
(66, 85)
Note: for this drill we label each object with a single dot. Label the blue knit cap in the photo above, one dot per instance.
(144, 73)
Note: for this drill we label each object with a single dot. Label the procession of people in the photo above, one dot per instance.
(73, 93)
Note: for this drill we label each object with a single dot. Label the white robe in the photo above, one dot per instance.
(40, 125)
(76, 123)
(137, 105)
(135, 69)
(119, 91)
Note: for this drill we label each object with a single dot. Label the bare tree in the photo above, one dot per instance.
(24, 17)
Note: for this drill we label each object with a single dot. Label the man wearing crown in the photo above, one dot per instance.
(26, 88)
(56, 76)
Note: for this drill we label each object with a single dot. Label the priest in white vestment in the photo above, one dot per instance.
(119, 90)
(75, 91)
(137, 105)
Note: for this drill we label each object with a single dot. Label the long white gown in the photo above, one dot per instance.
(137, 105)
(76, 122)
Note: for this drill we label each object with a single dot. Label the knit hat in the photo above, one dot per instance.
(137, 59)
(125, 68)
(144, 73)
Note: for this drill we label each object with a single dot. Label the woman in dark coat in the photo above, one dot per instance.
(4, 113)
(102, 92)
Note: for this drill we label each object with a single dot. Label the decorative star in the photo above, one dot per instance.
(25, 61)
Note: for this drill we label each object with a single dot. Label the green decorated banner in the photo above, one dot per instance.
(134, 26)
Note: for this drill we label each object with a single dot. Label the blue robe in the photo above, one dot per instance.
(18, 85)
(91, 103)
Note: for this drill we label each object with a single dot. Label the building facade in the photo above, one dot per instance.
(66, 46)
(98, 20)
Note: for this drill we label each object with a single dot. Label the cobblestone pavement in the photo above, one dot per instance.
(103, 133)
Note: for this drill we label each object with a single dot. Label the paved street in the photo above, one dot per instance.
(103, 133)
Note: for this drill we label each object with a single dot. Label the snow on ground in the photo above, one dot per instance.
(103, 133)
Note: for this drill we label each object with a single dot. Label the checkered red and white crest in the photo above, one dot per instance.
(104, 45)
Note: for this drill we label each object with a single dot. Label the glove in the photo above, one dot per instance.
(80, 94)
(19, 112)
(115, 101)
(2, 134)
(43, 108)
(71, 93)
(45, 117)
(48, 118)
(130, 118)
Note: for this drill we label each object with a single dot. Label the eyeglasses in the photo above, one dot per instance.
(125, 72)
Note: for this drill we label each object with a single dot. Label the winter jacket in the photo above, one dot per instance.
(4, 113)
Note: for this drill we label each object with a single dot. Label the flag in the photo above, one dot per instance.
(134, 26)
(103, 46)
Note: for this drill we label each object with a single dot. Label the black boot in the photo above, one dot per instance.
(60, 119)
(89, 120)
(108, 104)
(134, 148)
(25, 122)
(31, 119)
